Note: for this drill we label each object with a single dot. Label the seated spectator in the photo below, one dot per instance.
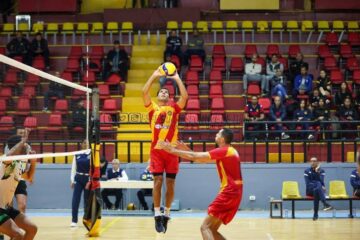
(272, 66)
(303, 114)
(55, 90)
(342, 93)
(347, 113)
(321, 113)
(278, 114)
(19, 47)
(253, 74)
(315, 97)
(173, 46)
(278, 85)
(303, 82)
(117, 61)
(116, 173)
(315, 186)
(324, 84)
(195, 46)
(355, 179)
(78, 117)
(39, 46)
(296, 64)
(253, 113)
(145, 176)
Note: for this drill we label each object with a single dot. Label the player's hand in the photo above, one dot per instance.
(26, 134)
(324, 188)
(164, 146)
(157, 74)
(317, 168)
(182, 146)
(175, 76)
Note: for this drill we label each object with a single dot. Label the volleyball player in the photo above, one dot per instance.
(223, 209)
(163, 117)
(12, 221)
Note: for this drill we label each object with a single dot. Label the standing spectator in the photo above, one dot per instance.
(296, 65)
(347, 113)
(253, 113)
(271, 68)
(78, 116)
(278, 85)
(79, 180)
(303, 82)
(343, 93)
(278, 114)
(355, 179)
(321, 114)
(39, 46)
(55, 90)
(324, 84)
(116, 173)
(253, 74)
(302, 115)
(19, 47)
(315, 186)
(117, 61)
(173, 46)
(195, 46)
(145, 176)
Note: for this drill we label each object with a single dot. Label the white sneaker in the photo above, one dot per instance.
(284, 136)
(310, 137)
(73, 225)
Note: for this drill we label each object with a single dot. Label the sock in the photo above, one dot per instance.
(157, 211)
(167, 212)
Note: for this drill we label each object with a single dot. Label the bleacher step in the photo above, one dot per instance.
(135, 90)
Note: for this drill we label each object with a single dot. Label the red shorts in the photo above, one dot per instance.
(226, 204)
(162, 161)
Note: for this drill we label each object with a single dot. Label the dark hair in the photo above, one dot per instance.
(116, 42)
(303, 66)
(13, 140)
(228, 135)
(274, 55)
(162, 89)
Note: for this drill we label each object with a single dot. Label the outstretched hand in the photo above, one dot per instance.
(26, 134)
(166, 146)
(182, 146)
(157, 74)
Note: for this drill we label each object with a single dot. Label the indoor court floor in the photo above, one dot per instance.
(186, 227)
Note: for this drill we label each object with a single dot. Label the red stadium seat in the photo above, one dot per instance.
(106, 122)
(215, 91)
(3, 107)
(32, 80)
(176, 61)
(331, 39)
(193, 106)
(346, 51)
(67, 76)
(253, 89)
(110, 106)
(6, 123)
(219, 63)
(356, 77)
(61, 106)
(336, 77)
(216, 121)
(284, 62)
(217, 106)
(55, 123)
(39, 63)
(23, 107)
(294, 49)
(272, 49)
(3, 50)
(330, 63)
(88, 79)
(250, 50)
(354, 39)
(104, 91)
(76, 52)
(72, 65)
(30, 122)
(236, 65)
(113, 79)
(352, 64)
(324, 51)
(5, 93)
(191, 121)
(215, 77)
(196, 64)
(10, 79)
(218, 51)
(97, 52)
(193, 91)
(266, 104)
(77, 94)
(28, 92)
(192, 78)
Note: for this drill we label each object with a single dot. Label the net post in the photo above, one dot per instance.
(96, 115)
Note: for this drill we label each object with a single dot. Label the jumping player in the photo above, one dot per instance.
(163, 117)
(223, 209)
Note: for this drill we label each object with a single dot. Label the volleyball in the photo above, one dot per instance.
(168, 69)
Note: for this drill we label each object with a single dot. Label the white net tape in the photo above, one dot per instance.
(43, 155)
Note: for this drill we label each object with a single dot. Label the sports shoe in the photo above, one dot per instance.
(159, 227)
(315, 217)
(310, 137)
(73, 224)
(165, 222)
(284, 136)
(327, 207)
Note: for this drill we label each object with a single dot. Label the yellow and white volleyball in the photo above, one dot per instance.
(167, 69)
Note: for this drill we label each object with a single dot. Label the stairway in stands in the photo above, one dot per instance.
(146, 56)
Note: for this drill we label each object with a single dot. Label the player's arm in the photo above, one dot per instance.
(17, 149)
(29, 175)
(202, 157)
(147, 87)
(183, 93)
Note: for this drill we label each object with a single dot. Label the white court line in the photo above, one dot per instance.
(269, 236)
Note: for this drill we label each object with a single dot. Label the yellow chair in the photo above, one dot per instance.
(202, 26)
(23, 27)
(247, 26)
(67, 27)
(82, 27)
(127, 27)
(37, 27)
(353, 26)
(350, 157)
(337, 189)
(277, 26)
(217, 26)
(172, 25)
(290, 189)
(52, 28)
(8, 28)
(286, 157)
(323, 26)
(338, 26)
(97, 27)
(232, 26)
(187, 26)
(292, 25)
(307, 26)
(262, 26)
(112, 27)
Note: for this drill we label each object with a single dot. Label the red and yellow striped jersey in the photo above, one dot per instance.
(163, 122)
(228, 166)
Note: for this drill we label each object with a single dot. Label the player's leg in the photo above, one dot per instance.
(209, 228)
(9, 228)
(29, 227)
(170, 191)
(76, 200)
(21, 196)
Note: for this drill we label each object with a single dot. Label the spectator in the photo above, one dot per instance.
(103, 167)
(253, 113)
(55, 90)
(315, 186)
(324, 84)
(303, 82)
(343, 93)
(278, 85)
(348, 114)
(39, 46)
(19, 47)
(315, 97)
(173, 46)
(303, 114)
(321, 113)
(272, 66)
(296, 65)
(145, 176)
(116, 173)
(78, 116)
(355, 179)
(195, 46)
(117, 61)
(278, 114)
(253, 73)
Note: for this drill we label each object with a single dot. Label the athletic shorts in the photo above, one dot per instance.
(162, 161)
(6, 214)
(21, 188)
(226, 204)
